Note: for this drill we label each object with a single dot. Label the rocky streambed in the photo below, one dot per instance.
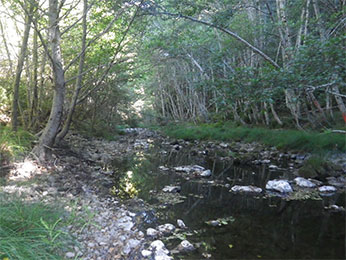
(145, 196)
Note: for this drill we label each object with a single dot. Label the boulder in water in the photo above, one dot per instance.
(279, 185)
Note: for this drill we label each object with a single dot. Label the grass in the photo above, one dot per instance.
(14, 144)
(282, 139)
(30, 230)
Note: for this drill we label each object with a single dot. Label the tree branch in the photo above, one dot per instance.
(234, 35)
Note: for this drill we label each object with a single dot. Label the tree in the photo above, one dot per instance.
(47, 138)
(20, 64)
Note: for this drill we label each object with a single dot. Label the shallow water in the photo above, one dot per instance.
(264, 227)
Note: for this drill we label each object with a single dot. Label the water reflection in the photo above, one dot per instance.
(264, 227)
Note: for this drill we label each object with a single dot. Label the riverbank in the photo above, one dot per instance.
(299, 141)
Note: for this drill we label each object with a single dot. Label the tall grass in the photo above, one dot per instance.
(30, 230)
(14, 144)
(282, 139)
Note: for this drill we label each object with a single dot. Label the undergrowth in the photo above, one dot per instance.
(14, 144)
(31, 230)
(282, 139)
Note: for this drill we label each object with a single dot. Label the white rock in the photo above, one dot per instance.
(159, 247)
(146, 253)
(163, 168)
(181, 223)
(223, 145)
(206, 173)
(166, 228)
(279, 185)
(171, 189)
(327, 189)
(151, 232)
(186, 246)
(70, 255)
(302, 182)
(238, 188)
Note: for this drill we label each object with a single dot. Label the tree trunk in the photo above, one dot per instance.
(266, 114)
(6, 47)
(20, 64)
(78, 85)
(34, 103)
(275, 115)
(42, 150)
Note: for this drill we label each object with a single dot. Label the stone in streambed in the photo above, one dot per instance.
(238, 188)
(302, 182)
(326, 188)
(206, 173)
(279, 185)
(181, 223)
(151, 232)
(185, 246)
(166, 229)
(171, 189)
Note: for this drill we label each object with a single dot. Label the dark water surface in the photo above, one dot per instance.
(264, 227)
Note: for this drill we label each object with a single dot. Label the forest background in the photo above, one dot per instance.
(98, 65)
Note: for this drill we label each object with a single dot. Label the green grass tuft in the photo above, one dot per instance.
(30, 230)
(14, 144)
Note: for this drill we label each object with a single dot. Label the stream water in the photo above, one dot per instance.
(261, 226)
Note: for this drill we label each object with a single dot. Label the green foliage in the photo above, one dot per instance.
(30, 231)
(283, 139)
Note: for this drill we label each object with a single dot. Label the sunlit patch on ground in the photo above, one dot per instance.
(25, 170)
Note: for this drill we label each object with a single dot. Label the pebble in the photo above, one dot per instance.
(70, 255)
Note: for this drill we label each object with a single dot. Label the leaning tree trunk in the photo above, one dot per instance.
(78, 85)
(42, 150)
(19, 69)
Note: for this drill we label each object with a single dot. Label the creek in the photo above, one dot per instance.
(252, 226)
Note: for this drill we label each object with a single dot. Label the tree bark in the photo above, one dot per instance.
(6, 47)
(19, 69)
(34, 102)
(78, 85)
(47, 139)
